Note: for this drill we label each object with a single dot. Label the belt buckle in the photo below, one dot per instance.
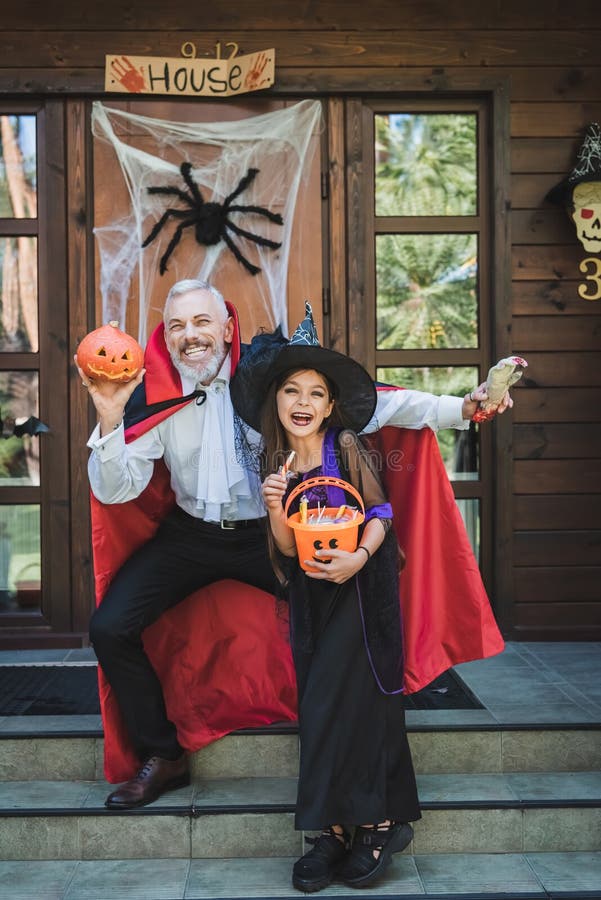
(227, 525)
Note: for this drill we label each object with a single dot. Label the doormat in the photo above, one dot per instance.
(49, 691)
(73, 691)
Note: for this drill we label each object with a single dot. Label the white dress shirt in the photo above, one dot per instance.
(417, 409)
(197, 444)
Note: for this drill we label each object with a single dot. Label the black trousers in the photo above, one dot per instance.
(185, 554)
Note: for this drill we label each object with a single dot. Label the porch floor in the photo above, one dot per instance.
(530, 684)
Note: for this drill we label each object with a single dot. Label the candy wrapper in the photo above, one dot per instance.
(500, 378)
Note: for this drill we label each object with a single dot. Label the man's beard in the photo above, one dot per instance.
(207, 373)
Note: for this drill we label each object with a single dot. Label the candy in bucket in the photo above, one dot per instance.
(329, 527)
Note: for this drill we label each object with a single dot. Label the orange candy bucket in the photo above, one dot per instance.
(311, 536)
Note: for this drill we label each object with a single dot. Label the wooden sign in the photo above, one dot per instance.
(189, 76)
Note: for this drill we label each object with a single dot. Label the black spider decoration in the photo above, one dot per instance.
(210, 220)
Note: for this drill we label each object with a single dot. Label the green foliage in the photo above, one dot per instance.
(13, 463)
(426, 283)
(426, 165)
(426, 291)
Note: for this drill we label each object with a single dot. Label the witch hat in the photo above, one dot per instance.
(587, 168)
(270, 356)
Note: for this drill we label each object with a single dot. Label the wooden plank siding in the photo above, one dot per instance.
(557, 435)
(544, 59)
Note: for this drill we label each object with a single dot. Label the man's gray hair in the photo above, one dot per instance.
(194, 284)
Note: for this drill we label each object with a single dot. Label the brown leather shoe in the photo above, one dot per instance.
(154, 778)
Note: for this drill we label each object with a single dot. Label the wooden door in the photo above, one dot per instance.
(35, 560)
(112, 201)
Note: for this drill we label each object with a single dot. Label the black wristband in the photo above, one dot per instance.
(361, 547)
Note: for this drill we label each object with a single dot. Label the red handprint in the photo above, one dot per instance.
(126, 74)
(253, 78)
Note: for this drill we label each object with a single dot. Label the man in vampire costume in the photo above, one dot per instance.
(190, 642)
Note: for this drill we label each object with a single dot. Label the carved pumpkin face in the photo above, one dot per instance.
(109, 354)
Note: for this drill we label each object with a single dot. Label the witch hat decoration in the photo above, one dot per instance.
(587, 168)
(306, 331)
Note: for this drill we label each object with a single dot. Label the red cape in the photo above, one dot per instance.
(223, 656)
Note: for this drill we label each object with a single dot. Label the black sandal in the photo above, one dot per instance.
(316, 869)
(361, 867)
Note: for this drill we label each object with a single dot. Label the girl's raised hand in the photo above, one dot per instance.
(273, 490)
(339, 567)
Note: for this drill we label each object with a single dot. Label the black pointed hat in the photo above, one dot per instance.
(587, 168)
(271, 355)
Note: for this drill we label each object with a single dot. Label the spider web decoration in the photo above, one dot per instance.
(151, 152)
(211, 221)
(589, 155)
(587, 168)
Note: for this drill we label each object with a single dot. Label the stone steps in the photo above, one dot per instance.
(512, 876)
(49, 748)
(245, 817)
(511, 798)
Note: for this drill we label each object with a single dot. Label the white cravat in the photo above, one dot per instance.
(222, 481)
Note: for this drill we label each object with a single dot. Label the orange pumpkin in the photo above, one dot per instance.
(109, 354)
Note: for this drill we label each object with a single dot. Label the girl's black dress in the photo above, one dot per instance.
(355, 763)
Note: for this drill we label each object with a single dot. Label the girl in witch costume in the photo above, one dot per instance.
(355, 766)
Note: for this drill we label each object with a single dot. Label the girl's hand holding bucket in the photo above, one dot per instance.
(341, 565)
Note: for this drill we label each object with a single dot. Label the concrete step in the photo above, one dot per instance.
(247, 817)
(512, 876)
(71, 747)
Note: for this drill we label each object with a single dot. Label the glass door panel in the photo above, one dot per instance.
(18, 167)
(426, 291)
(20, 470)
(428, 237)
(20, 559)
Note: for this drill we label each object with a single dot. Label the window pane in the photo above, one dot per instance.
(18, 167)
(20, 558)
(19, 299)
(425, 164)
(19, 455)
(470, 513)
(459, 449)
(426, 291)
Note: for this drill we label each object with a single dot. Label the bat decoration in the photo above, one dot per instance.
(10, 427)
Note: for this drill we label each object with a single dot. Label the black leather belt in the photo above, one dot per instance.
(234, 524)
(224, 524)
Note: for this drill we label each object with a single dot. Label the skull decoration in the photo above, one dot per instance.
(586, 199)
(109, 354)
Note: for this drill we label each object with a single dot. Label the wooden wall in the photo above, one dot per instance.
(548, 54)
